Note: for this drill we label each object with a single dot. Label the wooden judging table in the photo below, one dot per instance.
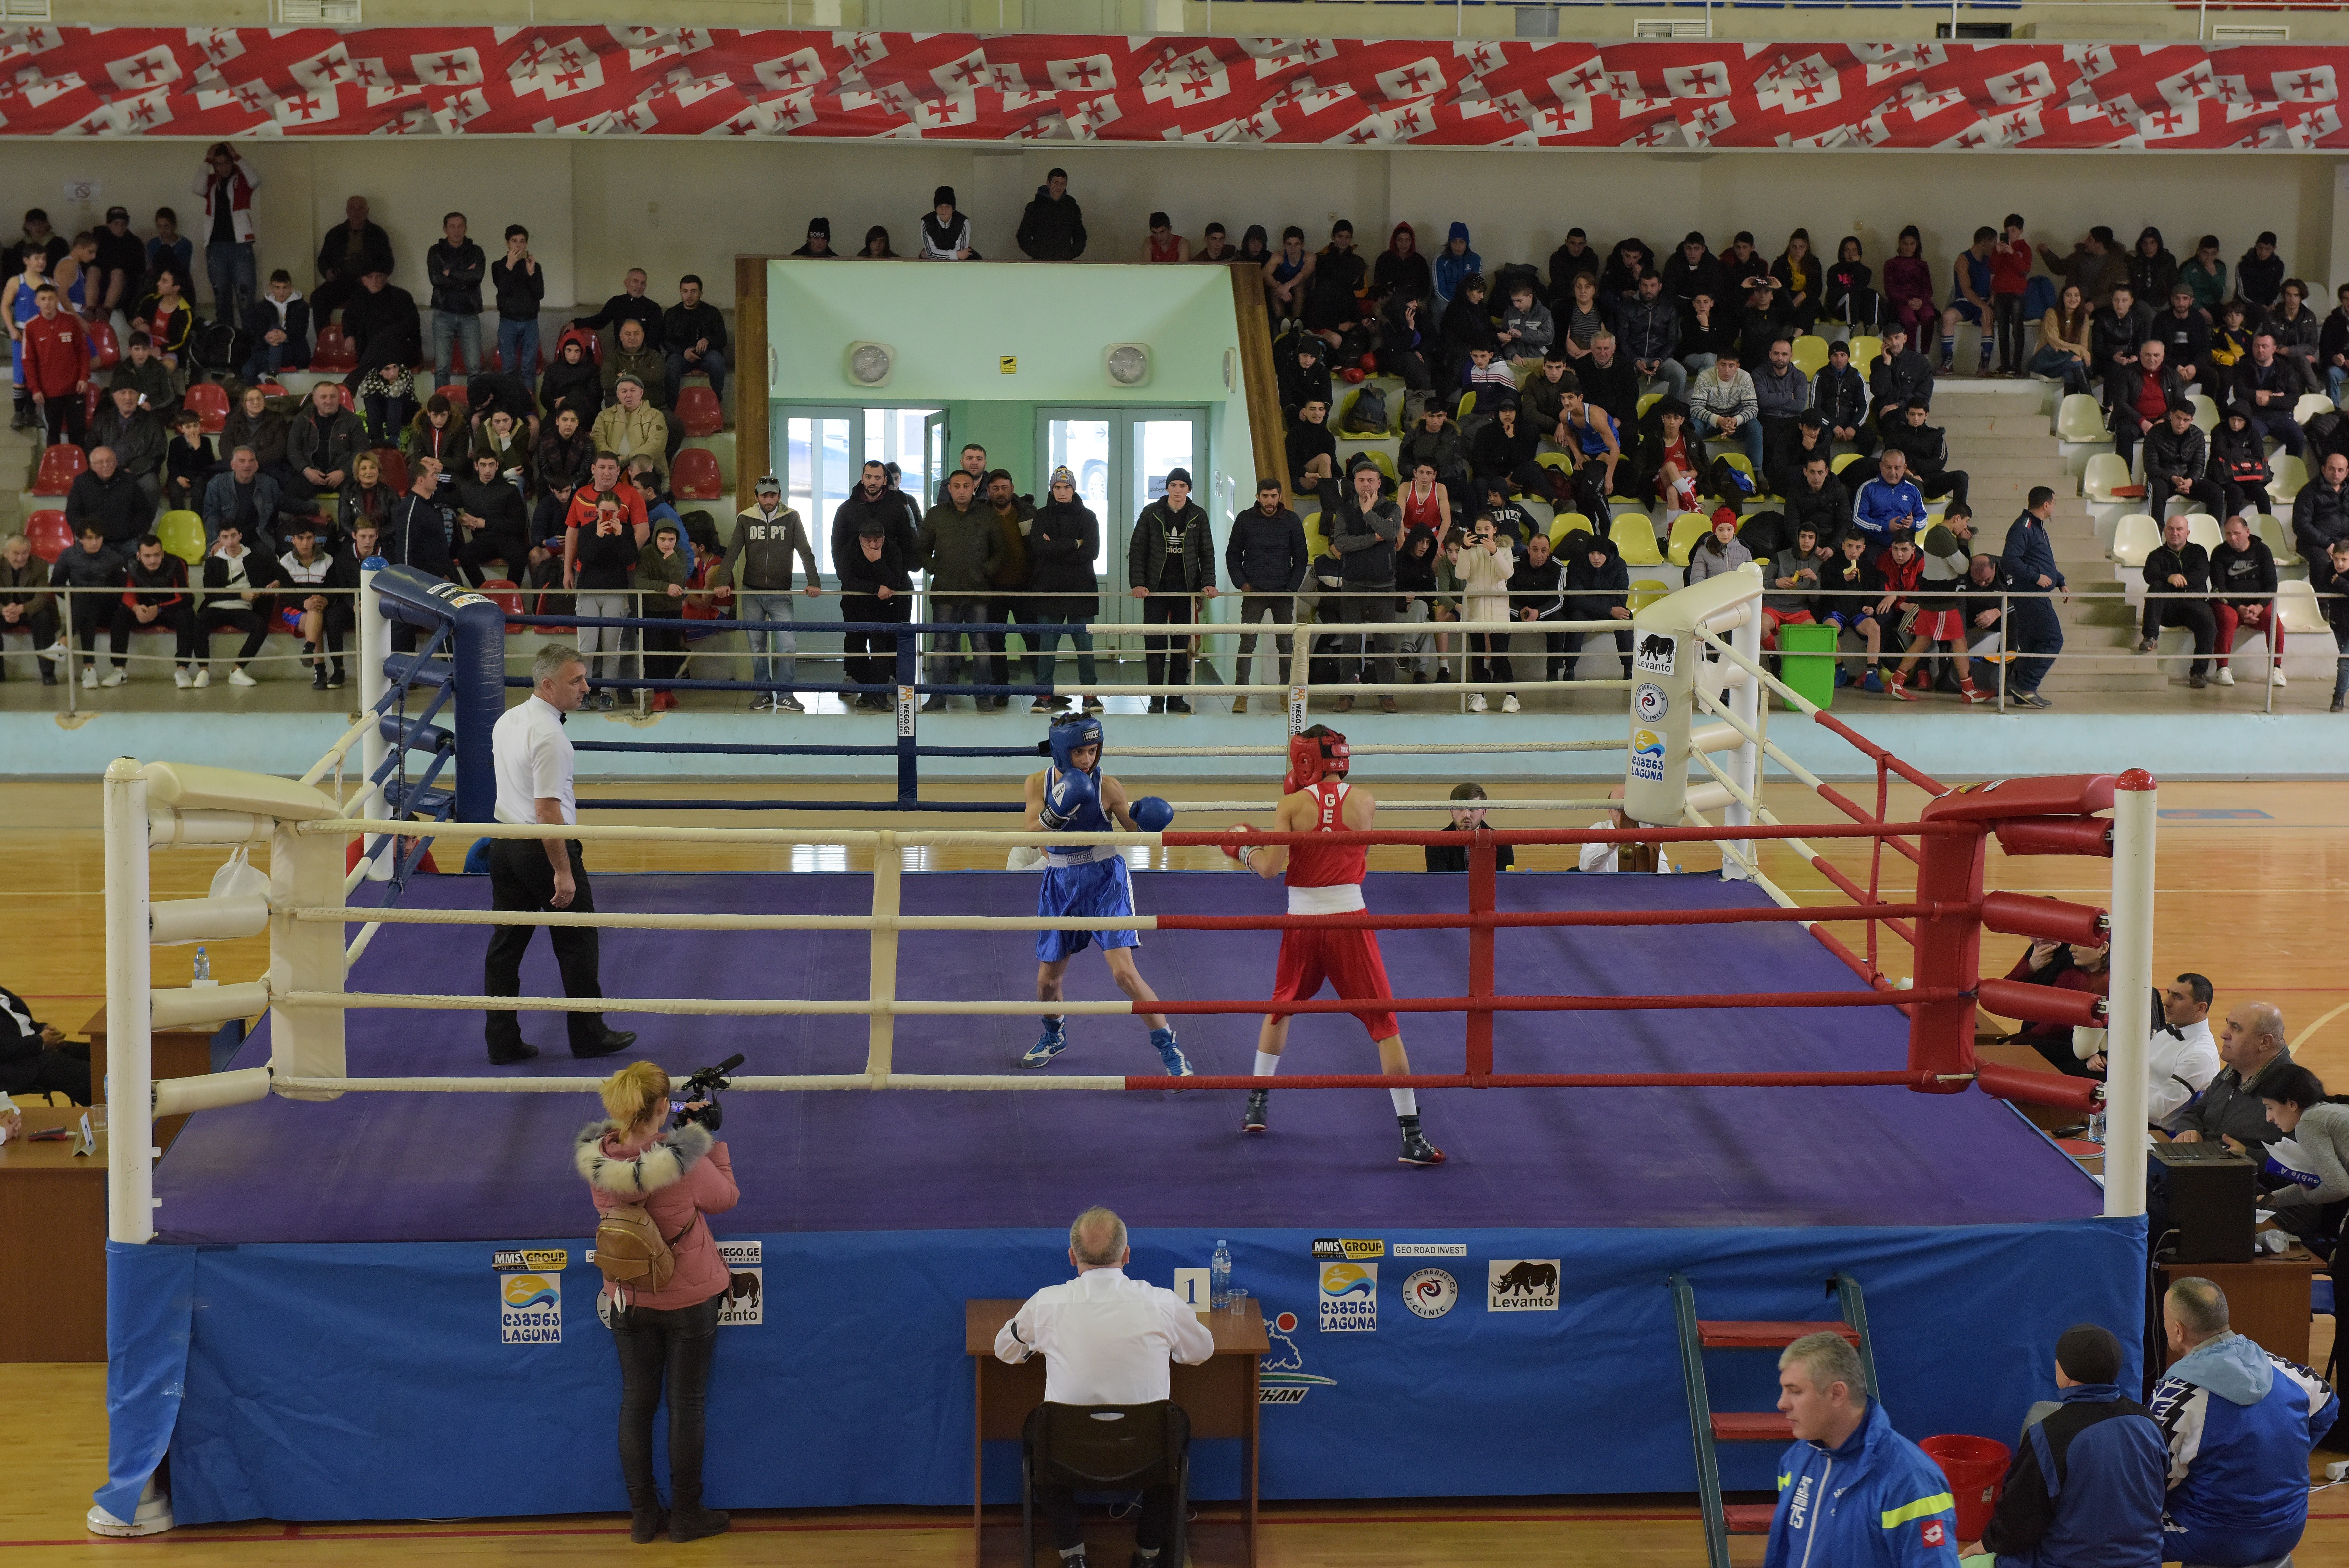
(52, 1245)
(2267, 1298)
(1221, 1396)
(174, 1054)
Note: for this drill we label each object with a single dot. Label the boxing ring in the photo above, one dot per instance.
(310, 1297)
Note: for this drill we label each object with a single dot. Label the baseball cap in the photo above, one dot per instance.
(768, 485)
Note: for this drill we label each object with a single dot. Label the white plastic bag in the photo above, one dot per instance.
(238, 877)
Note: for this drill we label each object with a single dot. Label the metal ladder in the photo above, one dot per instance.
(1707, 1429)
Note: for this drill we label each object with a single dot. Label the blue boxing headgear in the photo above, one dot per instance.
(1073, 732)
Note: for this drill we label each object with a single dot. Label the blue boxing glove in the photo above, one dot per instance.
(1151, 814)
(1066, 797)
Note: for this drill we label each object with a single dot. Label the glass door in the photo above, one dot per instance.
(1120, 459)
(825, 450)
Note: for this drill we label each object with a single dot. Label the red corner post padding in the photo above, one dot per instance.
(2035, 1087)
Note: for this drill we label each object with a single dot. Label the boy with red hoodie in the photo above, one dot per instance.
(57, 367)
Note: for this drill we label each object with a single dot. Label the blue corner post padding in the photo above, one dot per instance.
(1151, 815)
(150, 1307)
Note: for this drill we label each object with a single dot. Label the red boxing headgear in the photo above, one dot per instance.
(1312, 756)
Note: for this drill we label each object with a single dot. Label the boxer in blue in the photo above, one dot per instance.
(1086, 880)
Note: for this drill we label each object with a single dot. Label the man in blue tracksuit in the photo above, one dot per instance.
(2028, 567)
(2239, 1424)
(2085, 1489)
(1852, 1492)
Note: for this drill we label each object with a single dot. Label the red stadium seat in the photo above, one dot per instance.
(60, 464)
(332, 351)
(395, 468)
(508, 596)
(209, 399)
(272, 389)
(594, 343)
(694, 475)
(49, 533)
(459, 398)
(104, 351)
(698, 411)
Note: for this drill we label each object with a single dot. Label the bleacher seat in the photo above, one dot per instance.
(2079, 418)
(506, 594)
(1635, 538)
(458, 399)
(104, 351)
(2311, 404)
(394, 463)
(209, 400)
(2291, 475)
(699, 411)
(2206, 412)
(1865, 350)
(694, 476)
(2202, 529)
(272, 389)
(1838, 464)
(2270, 527)
(2296, 608)
(1689, 530)
(1383, 462)
(1810, 353)
(332, 351)
(1647, 400)
(183, 534)
(49, 535)
(582, 335)
(2135, 537)
(1646, 591)
(1566, 522)
(2107, 471)
(1467, 406)
(60, 464)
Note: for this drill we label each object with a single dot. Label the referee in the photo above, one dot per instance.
(533, 757)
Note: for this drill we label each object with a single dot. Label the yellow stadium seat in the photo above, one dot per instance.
(2206, 411)
(2202, 529)
(1647, 400)
(1566, 522)
(2078, 418)
(1560, 460)
(2107, 471)
(1688, 530)
(1865, 351)
(1381, 461)
(1467, 406)
(183, 534)
(1635, 536)
(1740, 463)
(1646, 591)
(2290, 473)
(2133, 538)
(1810, 352)
(1838, 464)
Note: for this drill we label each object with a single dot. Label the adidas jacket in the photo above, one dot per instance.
(1875, 1503)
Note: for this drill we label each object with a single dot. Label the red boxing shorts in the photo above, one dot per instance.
(1348, 959)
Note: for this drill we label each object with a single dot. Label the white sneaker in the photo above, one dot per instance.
(203, 678)
(2276, 677)
(183, 679)
(237, 677)
(1476, 703)
(2226, 678)
(1509, 703)
(116, 678)
(57, 649)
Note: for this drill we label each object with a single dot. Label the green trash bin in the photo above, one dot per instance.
(1808, 662)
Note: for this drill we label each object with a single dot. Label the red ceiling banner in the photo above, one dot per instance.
(685, 81)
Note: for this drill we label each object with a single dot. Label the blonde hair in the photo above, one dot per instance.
(631, 1095)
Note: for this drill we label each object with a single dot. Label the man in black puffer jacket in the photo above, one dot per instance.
(1053, 227)
(1169, 558)
(1264, 557)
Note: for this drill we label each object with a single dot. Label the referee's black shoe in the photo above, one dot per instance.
(611, 1040)
(521, 1051)
(1259, 1105)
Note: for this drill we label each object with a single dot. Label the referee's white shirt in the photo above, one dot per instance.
(1106, 1339)
(533, 759)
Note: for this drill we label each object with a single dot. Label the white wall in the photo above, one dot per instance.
(597, 207)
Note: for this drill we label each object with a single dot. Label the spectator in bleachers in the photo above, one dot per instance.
(1467, 325)
(2010, 278)
(1543, 396)
(818, 244)
(18, 306)
(1671, 456)
(2259, 274)
(1719, 551)
(2239, 1423)
(1782, 393)
(280, 326)
(1014, 515)
(693, 338)
(1597, 584)
(169, 247)
(1820, 501)
(1573, 256)
(2177, 457)
(1849, 588)
(1647, 332)
(2332, 346)
(2239, 463)
(664, 570)
(1592, 440)
(1051, 226)
(1264, 557)
(1761, 320)
(637, 353)
(1513, 523)
(1903, 376)
(1455, 264)
(492, 524)
(1620, 276)
(1848, 297)
(2097, 264)
(1790, 583)
(1909, 288)
(1161, 243)
(320, 442)
(253, 423)
(1401, 271)
(1705, 330)
(1332, 309)
(598, 556)
(1693, 269)
(1722, 403)
(1840, 396)
(1607, 380)
(2152, 268)
(437, 432)
(517, 285)
(56, 356)
(1527, 329)
(2184, 333)
(26, 605)
(497, 392)
(2243, 584)
(572, 382)
(2320, 512)
(364, 497)
(1417, 561)
(187, 464)
(2297, 331)
(1484, 563)
(384, 330)
(2206, 276)
(1504, 451)
(1488, 375)
(134, 439)
(1401, 345)
(1434, 439)
(875, 584)
(1063, 541)
(2066, 350)
(144, 369)
(95, 566)
(1255, 248)
(227, 184)
(2329, 577)
(1808, 437)
(1363, 530)
(1313, 455)
(418, 534)
(877, 245)
(165, 318)
(121, 263)
(1970, 284)
(565, 448)
(241, 497)
(945, 232)
(2179, 566)
(1802, 285)
(1302, 373)
(961, 547)
(455, 266)
(1286, 274)
(2269, 384)
(2140, 396)
(1927, 449)
(2086, 1485)
(352, 249)
(632, 427)
(628, 305)
(315, 617)
(1214, 249)
(235, 581)
(154, 594)
(2117, 333)
(1581, 319)
(2027, 565)
(1889, 504)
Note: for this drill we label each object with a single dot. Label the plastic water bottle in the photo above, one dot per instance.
(2096, 1127)
(203, 967)
(1219, 1279)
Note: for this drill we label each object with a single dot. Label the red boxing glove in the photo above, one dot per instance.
(1238, 852)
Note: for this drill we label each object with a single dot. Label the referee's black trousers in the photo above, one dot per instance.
(521, 877)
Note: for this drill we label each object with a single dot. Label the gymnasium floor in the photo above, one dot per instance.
(2249, 880)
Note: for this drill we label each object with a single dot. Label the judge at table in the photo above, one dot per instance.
(1105, 1340)
(32, 1064)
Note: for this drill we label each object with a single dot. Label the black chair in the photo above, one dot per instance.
(1106, 1448)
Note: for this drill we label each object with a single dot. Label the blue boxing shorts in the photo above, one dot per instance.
(1099, 889)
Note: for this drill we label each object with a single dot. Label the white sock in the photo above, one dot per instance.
(1266, 1063)
(1406, 1101)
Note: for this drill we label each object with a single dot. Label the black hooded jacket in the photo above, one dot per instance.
(1592, 591)
(1051, 230)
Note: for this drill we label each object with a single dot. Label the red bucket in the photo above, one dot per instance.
(1976, 1467)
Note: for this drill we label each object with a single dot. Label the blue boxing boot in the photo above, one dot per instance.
(1178, 1065)
(1049, 1044)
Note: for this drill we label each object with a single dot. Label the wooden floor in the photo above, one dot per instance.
(2250, 883)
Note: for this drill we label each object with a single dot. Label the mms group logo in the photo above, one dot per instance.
(529, 1291)
(1339, 1281)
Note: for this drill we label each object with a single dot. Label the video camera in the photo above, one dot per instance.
(705, 1085)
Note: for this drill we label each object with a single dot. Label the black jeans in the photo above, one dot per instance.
(521, 877)
(1167, 659)
(1152, 1530)
(2006, 310)
(663, 1350)
(1254, 607)
(173, 619)
(1371, 604)
(41, 628)
(2194, 615)
(92, 613)
(2201, 495)
(872, 656)
(234, 617)
(1491, 662)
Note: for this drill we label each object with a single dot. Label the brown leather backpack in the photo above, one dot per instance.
(631, 1250)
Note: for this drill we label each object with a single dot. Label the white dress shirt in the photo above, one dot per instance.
(533, 758)
(1106, 1339)
(2176, 1070)
(1602, 857)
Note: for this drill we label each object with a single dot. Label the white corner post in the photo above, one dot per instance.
(129, 1044)
(881, 983)
(373, 635)
(1743, 699)
(2131, 1004)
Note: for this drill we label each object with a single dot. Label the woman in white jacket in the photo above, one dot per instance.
(1484, 562)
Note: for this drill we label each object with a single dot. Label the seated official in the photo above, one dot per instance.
(1467, 818)
(2239, 1424)
(2084, 1488)
(2307, 1172)
(31, 1062)
(1105, 1340)
(2252, 1045)
(1606, 858)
